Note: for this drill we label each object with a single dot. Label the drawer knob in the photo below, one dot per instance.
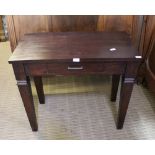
(75, 68)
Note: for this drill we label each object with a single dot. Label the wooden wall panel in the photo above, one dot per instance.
(118, 23)
(29, 24)
(146, 48)
(149, 51)
(11, 32)
(91, 23)
(137, 29)
(73, 23)
(150, 26)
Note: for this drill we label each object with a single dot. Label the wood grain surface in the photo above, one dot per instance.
(59, 46)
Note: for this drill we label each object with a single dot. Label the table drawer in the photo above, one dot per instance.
(36, 69)
(75, 68)
(85, 68)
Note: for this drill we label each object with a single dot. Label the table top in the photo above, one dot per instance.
(64, 46)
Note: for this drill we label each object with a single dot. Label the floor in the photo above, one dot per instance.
(75, 108)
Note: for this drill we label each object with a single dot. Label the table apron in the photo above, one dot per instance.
(45, 69)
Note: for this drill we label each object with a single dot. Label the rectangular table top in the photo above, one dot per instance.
(64, 46)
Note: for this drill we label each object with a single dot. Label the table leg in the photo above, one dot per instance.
(24, 87)
(114, 88)
(26, 94)
(125, 94)
(39, 88)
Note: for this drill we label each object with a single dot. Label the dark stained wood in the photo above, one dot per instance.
(127, 83)
(52, 54)
(125, 94)
(85, 68)
(66, 46)
(34, 69)
(26, 94)
(74, 68)
(133, 25)
(114, 88)
(39, 87)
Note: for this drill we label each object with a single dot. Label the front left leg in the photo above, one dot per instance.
(26, 94)
(24, 87)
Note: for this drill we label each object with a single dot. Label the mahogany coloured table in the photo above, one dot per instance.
(75, 53)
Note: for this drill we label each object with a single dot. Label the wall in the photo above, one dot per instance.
(2, 34)
(19, 25)
(0, 23)
(147, 69)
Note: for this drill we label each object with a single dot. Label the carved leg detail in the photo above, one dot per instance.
(114, 88)
(125, 94)
(26, 94)
(39, 88)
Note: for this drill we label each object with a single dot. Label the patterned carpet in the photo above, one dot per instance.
(76, 108)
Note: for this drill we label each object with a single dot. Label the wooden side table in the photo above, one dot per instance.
(75, 53)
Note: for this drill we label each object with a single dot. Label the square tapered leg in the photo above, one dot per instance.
(114, 88)
(39, 87)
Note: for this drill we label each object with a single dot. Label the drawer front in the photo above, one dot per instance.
(36, 69)
(85, 68)
(75, 68)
